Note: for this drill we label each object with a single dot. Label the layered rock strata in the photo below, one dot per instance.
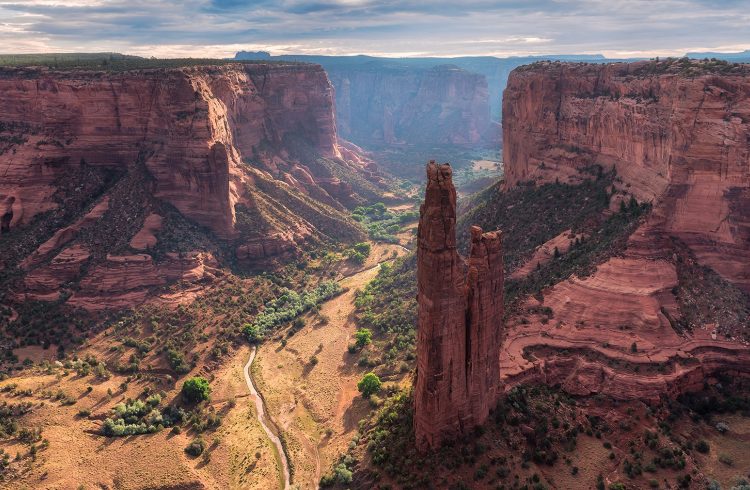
(192, 128)
(460, 319)
(677, 134)
(207, 141)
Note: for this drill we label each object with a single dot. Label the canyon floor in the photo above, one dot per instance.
(316, 406)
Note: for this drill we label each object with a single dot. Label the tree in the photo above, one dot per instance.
(363, 337)
(196, 389)
(369, 385)
(196, 447)
(252, 332)
(363, 248)
(702, 446)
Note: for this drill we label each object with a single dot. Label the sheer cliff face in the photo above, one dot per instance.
(247, 151)
(386, 105)
(678, 141)
(191, 127)
(460, 319)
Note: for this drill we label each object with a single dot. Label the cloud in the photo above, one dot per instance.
(387, 27)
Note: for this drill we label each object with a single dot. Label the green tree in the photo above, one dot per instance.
(363, 248)
(369, 385)
(252, 332)
(363, 337)
(196, 389)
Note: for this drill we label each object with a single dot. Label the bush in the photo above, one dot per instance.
(196, 389)
(356, 257)
(702, 447)
(726, 459)
(177, 361)
(363, 248)
(343, 474)
(369, 385)
(252, 333)
(196, 447)
(363, 337)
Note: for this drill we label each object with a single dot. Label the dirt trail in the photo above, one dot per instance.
(261, 411)
(309, 381)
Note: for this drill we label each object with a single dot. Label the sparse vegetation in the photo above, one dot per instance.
(382, 224)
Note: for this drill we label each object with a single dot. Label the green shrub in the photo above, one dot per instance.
(177, 361)
(363, 248)
(369, 385)
(252, 333)
(363, 337)
(196, 389)
(702, 446)
(288, 306)
(196, 447)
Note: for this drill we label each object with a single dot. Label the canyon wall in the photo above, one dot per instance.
(191, 127)
(460, 319)
(247, 151)
(393, 105)
(410, 101)
(677, 133)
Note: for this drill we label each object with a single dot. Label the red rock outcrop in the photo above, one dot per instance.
(191, 127)
(460, 319)
(676, 132)
(204, 139)
(680, 142)
(124, 280)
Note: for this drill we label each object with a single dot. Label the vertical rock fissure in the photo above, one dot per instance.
(460, 315)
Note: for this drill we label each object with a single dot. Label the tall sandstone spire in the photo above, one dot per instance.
(460, 319)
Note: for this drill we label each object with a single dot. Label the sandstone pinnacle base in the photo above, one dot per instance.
(460, 319)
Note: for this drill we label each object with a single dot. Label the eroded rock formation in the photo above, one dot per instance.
(397, 105)
(460, 319)
(246, 151)
(677, 134)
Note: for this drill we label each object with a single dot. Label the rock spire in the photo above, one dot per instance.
(460, 319)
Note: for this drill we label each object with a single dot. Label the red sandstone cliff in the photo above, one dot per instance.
(460, 319)
(678, 135)
(191, 126)
(382, 103)
(206, 139)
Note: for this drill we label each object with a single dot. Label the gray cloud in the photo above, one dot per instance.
(409, 27)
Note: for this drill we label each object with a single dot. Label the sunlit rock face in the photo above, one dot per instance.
(191, 127)
(677, 136)
(202, 140)
(460, 319)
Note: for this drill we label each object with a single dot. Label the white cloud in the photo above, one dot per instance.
(395, 28)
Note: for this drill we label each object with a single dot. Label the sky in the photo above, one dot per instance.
(219, 28)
